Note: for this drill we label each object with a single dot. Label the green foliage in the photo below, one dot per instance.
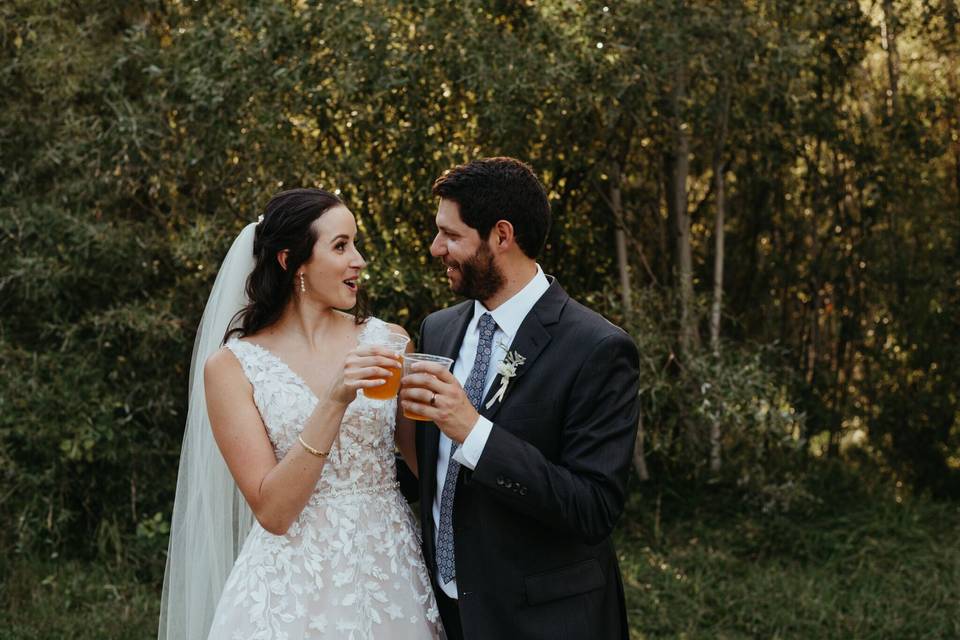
(842, 175)
(743, 388)
(137, 138)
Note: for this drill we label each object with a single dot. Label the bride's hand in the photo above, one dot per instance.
(365, 367)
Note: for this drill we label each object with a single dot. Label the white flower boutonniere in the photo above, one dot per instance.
(507, 370)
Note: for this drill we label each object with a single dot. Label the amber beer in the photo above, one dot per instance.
(408, 360)
(389, 389)
(396, 343)
(415, 416)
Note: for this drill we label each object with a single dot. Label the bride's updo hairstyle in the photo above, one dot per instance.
(287, 223)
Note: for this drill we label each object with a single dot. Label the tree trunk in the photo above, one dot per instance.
(623, 265)
(889, 28)
(639, 455)
(678, 169)
(840, 384)
(814, 188)
(663, 265)
(718, 257)
(624, 270)
(956, 163)
(719, 167)
(718, 237)
(955, 128)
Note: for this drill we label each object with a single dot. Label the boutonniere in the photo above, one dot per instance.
(507, 370)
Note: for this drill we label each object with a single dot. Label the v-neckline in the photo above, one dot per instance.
(297, 377)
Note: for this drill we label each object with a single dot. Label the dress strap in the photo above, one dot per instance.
(374, 327)
(246, 354)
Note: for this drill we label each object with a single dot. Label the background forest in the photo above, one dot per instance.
(765, 193)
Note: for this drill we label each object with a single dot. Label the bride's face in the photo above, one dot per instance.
(332, 274)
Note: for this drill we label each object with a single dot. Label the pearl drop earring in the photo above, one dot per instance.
(303, 287)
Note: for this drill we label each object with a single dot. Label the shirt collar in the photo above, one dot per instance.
(509, 315)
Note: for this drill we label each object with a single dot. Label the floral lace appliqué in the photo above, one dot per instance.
(350, 565)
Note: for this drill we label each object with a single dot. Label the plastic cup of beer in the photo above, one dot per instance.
(395, 343)
(408, 360)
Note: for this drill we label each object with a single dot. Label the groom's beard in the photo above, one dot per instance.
(480, 278)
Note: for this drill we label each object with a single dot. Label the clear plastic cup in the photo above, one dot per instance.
(395, 343)
(409, 359)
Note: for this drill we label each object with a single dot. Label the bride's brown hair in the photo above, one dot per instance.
(287, 224)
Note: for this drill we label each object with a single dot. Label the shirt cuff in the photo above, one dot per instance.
(468, 454)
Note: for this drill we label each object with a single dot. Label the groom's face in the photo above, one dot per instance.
(471, 269)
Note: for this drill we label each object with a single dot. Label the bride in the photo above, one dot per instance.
(288, 522)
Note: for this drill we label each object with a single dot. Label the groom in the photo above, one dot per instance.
(524, 465)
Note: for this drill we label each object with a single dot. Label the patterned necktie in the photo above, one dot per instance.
(474, 388)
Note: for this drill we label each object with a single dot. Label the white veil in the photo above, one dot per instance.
(210, 519)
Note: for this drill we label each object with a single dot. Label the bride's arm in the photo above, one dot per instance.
(276, 491)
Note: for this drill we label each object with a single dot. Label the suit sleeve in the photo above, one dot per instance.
(419, 438)
(409, 483)
(584, 491)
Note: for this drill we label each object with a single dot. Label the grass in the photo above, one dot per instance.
(696, 564)
(49, 599)
(704, 565)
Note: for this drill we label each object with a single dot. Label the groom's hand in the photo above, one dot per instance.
(433, 392)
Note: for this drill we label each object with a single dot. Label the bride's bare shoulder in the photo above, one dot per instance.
(222, 365)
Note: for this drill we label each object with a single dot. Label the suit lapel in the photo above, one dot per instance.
(453, 335)
(531, 339)
(447, 345)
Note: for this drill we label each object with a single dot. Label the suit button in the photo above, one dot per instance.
(523, 491)
(500, 481)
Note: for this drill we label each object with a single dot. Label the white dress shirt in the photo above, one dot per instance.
(508, 317)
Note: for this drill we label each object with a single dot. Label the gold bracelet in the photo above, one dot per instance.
(316, 452)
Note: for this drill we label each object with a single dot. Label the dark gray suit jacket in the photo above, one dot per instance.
(532, 522)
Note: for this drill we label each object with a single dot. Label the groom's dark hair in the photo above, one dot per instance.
(492, 189)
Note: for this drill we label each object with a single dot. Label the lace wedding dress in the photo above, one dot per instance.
(350, 565)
